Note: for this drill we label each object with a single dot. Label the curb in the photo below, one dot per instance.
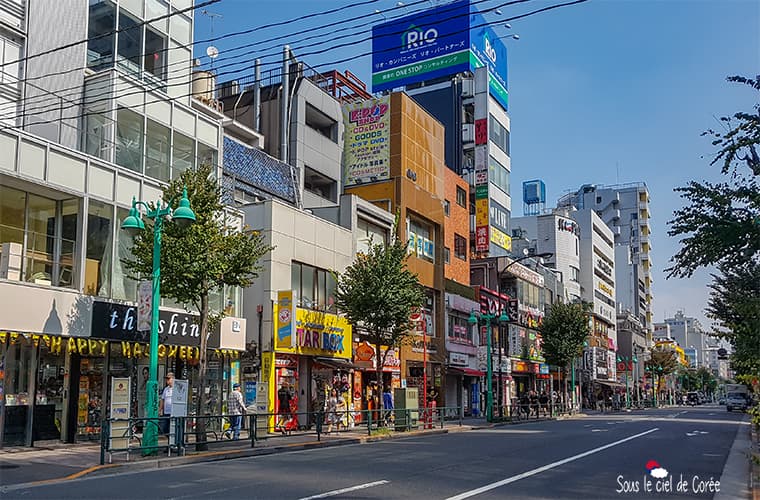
(754, 458)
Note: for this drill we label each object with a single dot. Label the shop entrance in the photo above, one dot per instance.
(86, 393)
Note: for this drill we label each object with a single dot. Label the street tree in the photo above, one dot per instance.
(197, 262)
(378, 294)
(661, 363)
(721, 223)
(564, 331)
(734, 305)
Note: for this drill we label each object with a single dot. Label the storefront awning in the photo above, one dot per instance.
(609, 383)
(470, 372)
(337, 363)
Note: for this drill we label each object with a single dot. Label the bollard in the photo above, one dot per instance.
(252, 429)
(369, 423)
(103, 441)
(318, 423)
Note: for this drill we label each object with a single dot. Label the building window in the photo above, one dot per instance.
(207, 155)
(100, 34)
(129, 139)
(313, 288)
(367, 233)
(574, 272)
(99, 249)
(420, 239)
(498, 174)
(320, 185)
(499, 135)
(155, 53)
(157, 151)
(446, 208)
(459, 328)
(183, 154)
(321, 123)
(461, 197)
(446, 255)
(460, 247)
(130, 43)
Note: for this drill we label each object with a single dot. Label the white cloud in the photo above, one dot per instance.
(659, 473)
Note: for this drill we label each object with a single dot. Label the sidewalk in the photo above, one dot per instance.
(61, 462)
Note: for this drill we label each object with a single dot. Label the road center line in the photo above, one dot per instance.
(488, 487)
(346, 490)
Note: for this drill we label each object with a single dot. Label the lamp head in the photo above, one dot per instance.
(472, 319)
(184, 215)
(619, 359)
(133, 223)
(503, 318)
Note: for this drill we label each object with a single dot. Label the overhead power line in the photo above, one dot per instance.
(183, 81)
(329, 64)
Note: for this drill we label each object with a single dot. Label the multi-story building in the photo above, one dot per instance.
(597, 278)
(302, 119)
(459, 75)
(462, 372)
(556, 233)
(625, 209)
(98, 124)
(690, 335)
(402, 172)
(632, 352)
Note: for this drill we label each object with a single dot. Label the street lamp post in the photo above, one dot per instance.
(487, 317)
(633, 360)
(133, 224)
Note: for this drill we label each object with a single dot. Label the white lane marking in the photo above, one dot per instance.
(712, 455)
(346, 490)
(599, 430)
(488, 487)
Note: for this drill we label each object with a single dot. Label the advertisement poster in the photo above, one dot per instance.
(179, 402)
(120, 398)
(284, 337)
(144, 306)
(366, 155)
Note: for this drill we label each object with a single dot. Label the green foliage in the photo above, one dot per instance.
(662, 361)
(202, 258)
(720, 226)
(735, 307)
(564, 331)
(377, 293)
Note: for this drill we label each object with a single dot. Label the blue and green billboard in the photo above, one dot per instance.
(435, 43)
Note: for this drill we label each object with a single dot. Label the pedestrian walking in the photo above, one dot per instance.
(236, 409)
(534, 402)
(332, 410)
(283, 407)
(387, 405)
(543, 400)
(165, 404)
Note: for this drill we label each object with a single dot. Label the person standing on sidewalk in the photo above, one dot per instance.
(165, 404)
(236, 409)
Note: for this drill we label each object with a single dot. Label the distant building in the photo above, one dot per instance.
(625, 209)
(690, 335)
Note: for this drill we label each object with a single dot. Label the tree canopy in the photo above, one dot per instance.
(378, 293)
(721, 222)
(199, 260)
(564, 331)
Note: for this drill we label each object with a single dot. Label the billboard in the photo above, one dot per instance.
(438, 42)
(366, 145)
(421, 46)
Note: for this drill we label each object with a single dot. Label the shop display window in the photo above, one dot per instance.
(18, 373)
(48, 404)
(90, 399)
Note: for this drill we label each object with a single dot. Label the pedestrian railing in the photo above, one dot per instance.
(178, 434)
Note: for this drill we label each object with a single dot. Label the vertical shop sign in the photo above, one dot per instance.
(481, 199)
(366, 151)
(144, 306)
(481, 131)
(120, 397)
(285, 337)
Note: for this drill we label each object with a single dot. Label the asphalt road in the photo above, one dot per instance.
(601, 456)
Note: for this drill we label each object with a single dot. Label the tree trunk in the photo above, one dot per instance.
(564, 376)
(379, 362)
(200, 423)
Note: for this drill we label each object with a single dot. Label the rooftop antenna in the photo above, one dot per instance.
(212, 51)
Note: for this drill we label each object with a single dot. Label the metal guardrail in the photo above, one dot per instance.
(177, 434)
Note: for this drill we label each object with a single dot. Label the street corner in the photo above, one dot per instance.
(661, 479)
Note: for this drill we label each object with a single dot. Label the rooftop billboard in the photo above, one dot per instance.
(437, 42)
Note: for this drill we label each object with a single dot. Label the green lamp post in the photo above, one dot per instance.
(487, 318)
(656, 372)
(627, 359)
(133, 224)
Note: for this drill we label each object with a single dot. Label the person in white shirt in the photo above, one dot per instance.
(236, 410)
(165, 404)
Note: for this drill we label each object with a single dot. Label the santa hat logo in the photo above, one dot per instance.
(655, 470)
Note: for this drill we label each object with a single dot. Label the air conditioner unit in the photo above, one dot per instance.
(468, 88)
(10, 261)
(468, 132)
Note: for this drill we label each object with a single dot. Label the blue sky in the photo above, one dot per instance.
(605, 92)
